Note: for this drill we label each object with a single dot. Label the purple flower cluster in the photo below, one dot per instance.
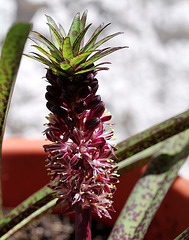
(79, 157)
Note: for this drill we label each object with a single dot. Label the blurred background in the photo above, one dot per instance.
(146, 84)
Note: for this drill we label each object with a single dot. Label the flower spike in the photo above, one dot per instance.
(80, 153)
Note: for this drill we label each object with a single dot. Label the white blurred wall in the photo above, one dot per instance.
(146, 84)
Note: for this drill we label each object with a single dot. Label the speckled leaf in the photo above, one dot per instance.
(26, 209)
(184, 235)
(9, 64)
(152, 136)
(74, 29)
(151, 188)
(67, 49)
(36, 214)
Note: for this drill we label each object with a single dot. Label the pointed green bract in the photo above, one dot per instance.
(74, 29)
(79, 58)
(56, 35)
(83, 21)
(53, 59)
(94, 37)
(65, 66)
(67, 49)
(95, 58)
(77, 43)
(62, 31)
(48, 43)
(69, 53)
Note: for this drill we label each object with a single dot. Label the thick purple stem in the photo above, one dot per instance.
(82, 223)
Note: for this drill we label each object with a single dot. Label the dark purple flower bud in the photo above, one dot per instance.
(79, 78)
(80, 107)
(84, 92)
(63, 82)
(66, 97)
(73, 88)
(90, 76)
(49, 106)
(92, 123)
(50, 76)
(98, 110)
(94, 86)
(59, 111)
(95, 100)
(69, 122)
(53, 90)
(52, 99)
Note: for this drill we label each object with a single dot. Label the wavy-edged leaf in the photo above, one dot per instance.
(80, 37)
(184, 235)
(79, 58)
(151, 188)
(92, 40)
(74, 29)
(67, 49)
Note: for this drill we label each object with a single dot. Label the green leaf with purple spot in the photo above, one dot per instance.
(74, 29)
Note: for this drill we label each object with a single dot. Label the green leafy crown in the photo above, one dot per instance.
(68, 55)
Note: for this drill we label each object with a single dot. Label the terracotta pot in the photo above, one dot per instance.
(23, 173)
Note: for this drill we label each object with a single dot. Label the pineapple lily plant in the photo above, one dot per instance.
(81, 158)
(80, 155)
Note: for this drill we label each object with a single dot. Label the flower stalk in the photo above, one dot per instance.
(80, 155)
(82, 223)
